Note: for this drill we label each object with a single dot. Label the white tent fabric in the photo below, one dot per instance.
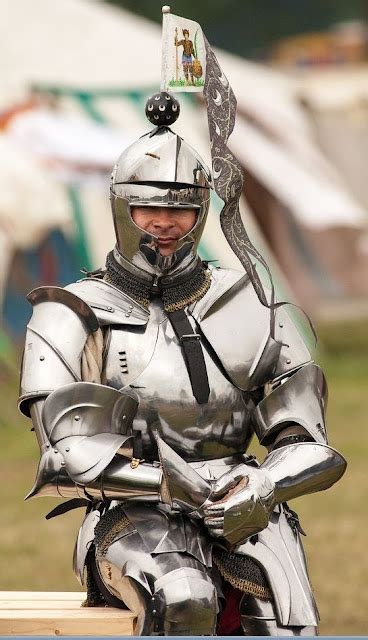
(324, 204)
(337, 101)
(74, 42)
(31, 203)
(335, 89)
(69, 138)
(31, 200)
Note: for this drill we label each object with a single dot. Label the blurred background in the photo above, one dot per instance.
(75, 76)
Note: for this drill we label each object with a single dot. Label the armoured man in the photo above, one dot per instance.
(146, 383)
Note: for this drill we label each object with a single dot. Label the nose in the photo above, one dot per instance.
(163, 219)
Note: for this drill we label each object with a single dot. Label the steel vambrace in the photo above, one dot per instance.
(123, 479)
(242, 500)
(304, 467)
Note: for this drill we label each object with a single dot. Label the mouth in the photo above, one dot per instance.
(166, 241)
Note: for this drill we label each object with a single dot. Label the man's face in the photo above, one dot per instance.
(168, 224)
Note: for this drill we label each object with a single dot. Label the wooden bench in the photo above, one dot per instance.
(59, 613)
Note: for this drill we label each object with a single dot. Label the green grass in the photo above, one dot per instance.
(183, 83)
(37, 554)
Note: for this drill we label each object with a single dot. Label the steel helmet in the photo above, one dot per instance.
(158, 170)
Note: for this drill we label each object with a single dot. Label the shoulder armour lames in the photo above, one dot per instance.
(237, 326)
(110, 305)
(55, 339)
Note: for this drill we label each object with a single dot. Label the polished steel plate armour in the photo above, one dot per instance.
(246, 368)
(150, 360)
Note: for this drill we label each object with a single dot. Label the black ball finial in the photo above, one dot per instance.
(162, 109)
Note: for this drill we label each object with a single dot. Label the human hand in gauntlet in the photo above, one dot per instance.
(240, 503)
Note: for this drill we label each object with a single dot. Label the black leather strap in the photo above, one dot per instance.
(292, 440)
(137, 445)
(64, 507)
(190, 343)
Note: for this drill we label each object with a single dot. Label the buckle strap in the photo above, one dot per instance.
(190, 336)
(192, 353)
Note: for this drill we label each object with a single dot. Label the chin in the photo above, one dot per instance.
(166, 252)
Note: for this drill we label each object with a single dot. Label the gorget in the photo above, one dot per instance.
(177, 290)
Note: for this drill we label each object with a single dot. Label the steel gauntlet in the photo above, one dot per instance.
(240, 503)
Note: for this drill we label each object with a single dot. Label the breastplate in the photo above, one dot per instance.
(149, 360)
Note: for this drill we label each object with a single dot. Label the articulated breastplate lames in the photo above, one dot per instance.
(240, 358)
(150, 360)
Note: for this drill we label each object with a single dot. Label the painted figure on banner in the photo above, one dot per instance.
(146, 382)
(183, 58)
(190, 62)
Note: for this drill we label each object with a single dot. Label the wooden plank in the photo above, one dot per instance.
(104, 621)
(44, 595)
(66, 626)
(103, 613)
(41, 604)
(59, 613)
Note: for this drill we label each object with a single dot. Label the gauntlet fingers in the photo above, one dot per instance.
(216, 533)
(215, 526)
(213, 510)
(214, 522)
